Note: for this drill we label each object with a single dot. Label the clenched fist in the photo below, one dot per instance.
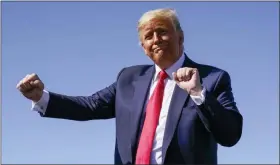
(189, 80)
(31, 87)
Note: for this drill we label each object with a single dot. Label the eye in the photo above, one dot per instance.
(148, 36)
(162, 31)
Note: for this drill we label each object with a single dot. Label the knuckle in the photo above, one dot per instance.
(34, 75)
(21, 85)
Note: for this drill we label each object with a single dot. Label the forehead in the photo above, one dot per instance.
(157, 23)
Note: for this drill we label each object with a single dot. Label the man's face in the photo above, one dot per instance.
(161, 42)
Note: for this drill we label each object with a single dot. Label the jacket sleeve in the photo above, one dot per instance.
(220, 114)
(100, 105)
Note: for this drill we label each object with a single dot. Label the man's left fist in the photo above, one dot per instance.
(189, 80)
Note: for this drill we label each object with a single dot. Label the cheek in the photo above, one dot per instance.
(147, 46)
(165, 38)
(169, 41)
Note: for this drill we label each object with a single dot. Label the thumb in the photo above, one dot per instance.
(175, 77)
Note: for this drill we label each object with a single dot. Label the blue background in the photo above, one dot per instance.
(78, 48)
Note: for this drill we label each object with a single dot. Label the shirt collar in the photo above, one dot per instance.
(173, 68)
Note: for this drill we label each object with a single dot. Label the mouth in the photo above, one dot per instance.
(162, 48)
(157, 50)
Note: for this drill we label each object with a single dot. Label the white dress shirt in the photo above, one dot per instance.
(156, 155)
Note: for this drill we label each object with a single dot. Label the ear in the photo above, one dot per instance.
(142, 45)
(145, 50)
(181, 37)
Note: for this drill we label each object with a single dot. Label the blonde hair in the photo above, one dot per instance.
(165, 13)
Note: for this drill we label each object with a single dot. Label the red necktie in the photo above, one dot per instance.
(151, 121)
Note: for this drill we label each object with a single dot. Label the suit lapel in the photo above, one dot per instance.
(178, 101)
(141, 87)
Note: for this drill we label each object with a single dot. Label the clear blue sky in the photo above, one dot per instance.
(78, 48)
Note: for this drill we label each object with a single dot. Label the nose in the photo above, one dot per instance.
(156, 38)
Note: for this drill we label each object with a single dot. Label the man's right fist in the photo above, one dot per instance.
(31, 87)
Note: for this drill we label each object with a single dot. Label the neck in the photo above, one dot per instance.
(166, 64)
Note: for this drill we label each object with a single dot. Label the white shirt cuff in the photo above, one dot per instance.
(41, 105)
(200, 98)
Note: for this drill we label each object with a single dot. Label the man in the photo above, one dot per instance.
(173, 112)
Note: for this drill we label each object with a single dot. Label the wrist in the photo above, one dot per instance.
(37, 96)
(196, 91)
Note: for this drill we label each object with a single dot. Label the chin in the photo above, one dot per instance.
(160, 59)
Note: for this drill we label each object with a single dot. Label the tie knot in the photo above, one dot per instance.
(163, 75)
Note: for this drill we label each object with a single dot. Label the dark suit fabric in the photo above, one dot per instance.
(192, 132)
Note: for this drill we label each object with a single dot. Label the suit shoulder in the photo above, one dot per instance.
(209, 70)
(212, 76)
(132, 71)
(137, 68)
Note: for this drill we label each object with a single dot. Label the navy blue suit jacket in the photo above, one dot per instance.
(192, 132)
